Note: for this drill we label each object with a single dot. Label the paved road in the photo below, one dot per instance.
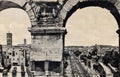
(91, 71)
(68, 70)
(107, 70)
(77, 68)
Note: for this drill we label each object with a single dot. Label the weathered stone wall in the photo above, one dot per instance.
(47, 47)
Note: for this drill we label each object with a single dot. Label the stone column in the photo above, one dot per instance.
(118, 31)
(46, 66)
(62, 69)
(62, 62)
(48, 45)
(32, 66)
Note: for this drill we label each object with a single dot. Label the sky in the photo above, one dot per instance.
(92, 25)
(87, 26)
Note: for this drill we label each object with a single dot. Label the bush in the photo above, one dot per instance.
(77, 53)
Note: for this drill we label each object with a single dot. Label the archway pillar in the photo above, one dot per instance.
(48, 46)
(118, 31)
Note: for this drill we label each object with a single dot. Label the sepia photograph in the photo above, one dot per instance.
(59, 38)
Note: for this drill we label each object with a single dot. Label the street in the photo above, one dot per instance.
(78, 69)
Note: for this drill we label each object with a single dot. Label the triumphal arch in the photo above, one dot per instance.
(48, 19)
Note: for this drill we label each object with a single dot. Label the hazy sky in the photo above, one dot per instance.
(86, 26)
(92, 25)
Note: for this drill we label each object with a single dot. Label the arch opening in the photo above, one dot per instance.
(90, 26)
(103, 4)
(15, 21)
(101, 36)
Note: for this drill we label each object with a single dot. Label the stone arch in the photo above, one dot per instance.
(6, 4)
(70, 6)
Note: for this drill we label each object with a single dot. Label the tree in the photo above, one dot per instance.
(94, 52)
(77, 53)
(66, 54)
(106, 60)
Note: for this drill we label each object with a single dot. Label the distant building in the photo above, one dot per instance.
(16, 55)
(25, 42)
(74, 48)
(101, 49)
(1, 57)
(9, 39)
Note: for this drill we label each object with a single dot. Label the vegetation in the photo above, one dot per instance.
(94, 52)
(66, 54)
(111, 57)
(77, 53)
